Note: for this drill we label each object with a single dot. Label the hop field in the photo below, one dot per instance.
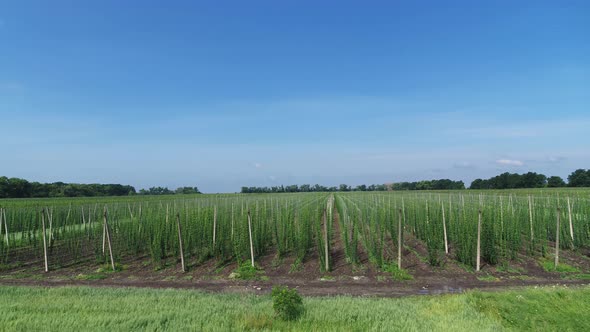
(473, 228)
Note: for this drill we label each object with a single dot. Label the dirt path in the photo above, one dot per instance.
(361, 287)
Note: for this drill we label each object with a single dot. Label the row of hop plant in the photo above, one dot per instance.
(510, 224)
(216, 226)
(212, 227)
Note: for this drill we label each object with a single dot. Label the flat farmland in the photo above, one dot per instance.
(353, 243)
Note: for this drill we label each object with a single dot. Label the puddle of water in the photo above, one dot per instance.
(444, 290)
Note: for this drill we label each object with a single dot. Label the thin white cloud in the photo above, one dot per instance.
(464, 165)
(547, 128)
(555, 159)
(257, 165)
(509, 162)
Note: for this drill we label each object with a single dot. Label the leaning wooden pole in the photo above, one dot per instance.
(44, 241)
(326, 249)
(478, 258)
(167, 210)
(214, 223)
(50, 220)
(104, 237)
(557, 238)
(1, 222)
(442, 205)
(180, 242)
(531, 221)
(5, 225)
(108, 236)
(232, 221)
(569, 214)
(400, 235)
(251, 241)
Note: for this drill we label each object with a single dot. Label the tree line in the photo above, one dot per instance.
(442, 184)
(21, 188)
(578, 178)
(166, 191)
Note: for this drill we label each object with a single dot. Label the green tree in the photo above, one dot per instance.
(579, 178)
(555, 182)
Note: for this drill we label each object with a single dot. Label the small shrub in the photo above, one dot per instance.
(245, 272)
(287, 303)
(92, 276)
(108, 268)
(435, 257)
(397, 273)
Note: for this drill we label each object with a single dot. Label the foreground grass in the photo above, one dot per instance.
(110, 309)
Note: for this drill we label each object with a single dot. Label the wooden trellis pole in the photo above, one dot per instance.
(232, 221)
(5, 225)
(478, 258)
(569, 214)
(214, 223)
(442, 205)
(167, 208)
(1, 209)
(400, 235)
(50, 219)
(251, 241)
(531, 220)
(44, 241)
(327, 252)
(104, 237)
(108, 236)
(180, 242)
(557, 238)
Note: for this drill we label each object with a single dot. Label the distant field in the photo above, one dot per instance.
(105, 309)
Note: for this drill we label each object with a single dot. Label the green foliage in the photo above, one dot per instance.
(581, 276)
(397, 273)
(130, 309)
(555, 182)
(579, 178)
(549, 266)
(287, 303)
(246, 272)
(92, 276)
(542, 309)
(488, 278)
(511, 181)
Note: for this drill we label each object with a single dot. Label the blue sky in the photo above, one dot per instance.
(228, 94)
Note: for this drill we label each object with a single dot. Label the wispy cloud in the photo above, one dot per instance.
(555, 159)
(509, 162)
(464, 165)
(546, 128)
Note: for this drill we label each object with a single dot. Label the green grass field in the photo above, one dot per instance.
(110, 309)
